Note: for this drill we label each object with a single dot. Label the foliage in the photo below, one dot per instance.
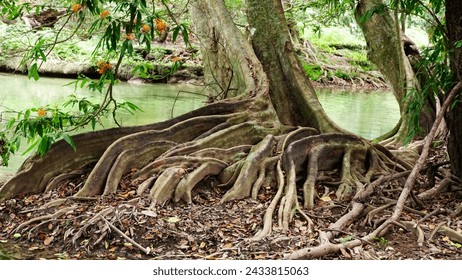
(314, 72)
(121, 28)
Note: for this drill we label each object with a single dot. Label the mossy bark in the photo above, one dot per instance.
(385, 46)
(291, 93)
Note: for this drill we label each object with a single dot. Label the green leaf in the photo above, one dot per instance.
(42, 54)
(31, 147)
(130, 47)
(44, 144)
(133, 106)
(175, 32)
(93, 123)
(70, 141)
(184, 31)
(458, 44)
(33, 72)
(39, 129)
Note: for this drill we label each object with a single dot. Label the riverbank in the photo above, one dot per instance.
(326, 64)
(187, 73)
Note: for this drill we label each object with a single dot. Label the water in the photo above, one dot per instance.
(156, 101)
(369, 114)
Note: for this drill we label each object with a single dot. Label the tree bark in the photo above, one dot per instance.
(386, 50)
(292, 94)
(454, 116)
(231, 67)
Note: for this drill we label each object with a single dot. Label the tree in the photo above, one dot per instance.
(398, 58)
(273, 132)
(454, 116)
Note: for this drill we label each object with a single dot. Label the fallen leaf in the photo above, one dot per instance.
(47, 240)
(261, 256)
(228, 245)
(126, 194)
(299, 223)
(149, 213)
(326, 198)
(173, 219)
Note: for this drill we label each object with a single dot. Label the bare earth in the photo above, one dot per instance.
(124, 227)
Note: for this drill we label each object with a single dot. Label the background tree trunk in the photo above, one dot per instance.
(386, 50)
(454, 116)
(231, 67)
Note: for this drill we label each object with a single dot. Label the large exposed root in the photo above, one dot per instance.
(36, 172)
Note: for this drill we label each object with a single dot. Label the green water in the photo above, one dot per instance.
(369, 114)
(366, 113)
(157, 102)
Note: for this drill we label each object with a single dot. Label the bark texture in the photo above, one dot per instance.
(454, 116)
(292, 94)
(231, 67)
(392, 52)
(270, 144)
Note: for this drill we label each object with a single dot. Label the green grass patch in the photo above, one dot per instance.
(313, 71)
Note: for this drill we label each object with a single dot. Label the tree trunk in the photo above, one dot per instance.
(454, 116)
(386, 50)
(231, 67)
(292, 94)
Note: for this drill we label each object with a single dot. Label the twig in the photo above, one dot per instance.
(434, 212)
(349, 234)
(46, 217)
(144, 250)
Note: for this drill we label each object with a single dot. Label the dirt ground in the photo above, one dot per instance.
(55, 226)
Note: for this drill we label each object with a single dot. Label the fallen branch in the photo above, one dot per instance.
(147, 251)
(410, 182)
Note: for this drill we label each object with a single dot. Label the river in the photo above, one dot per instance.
(366, 113)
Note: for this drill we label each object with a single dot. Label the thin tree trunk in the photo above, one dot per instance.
(231, 66)
(454, 116)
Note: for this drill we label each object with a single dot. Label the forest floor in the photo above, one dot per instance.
(55, 226)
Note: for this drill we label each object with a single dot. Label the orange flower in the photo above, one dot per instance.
(41, 112)
(145, 28)
(129, 37)
(104, 14)
(103, 66)
(160, 25)
(76, 7)
(176, 58)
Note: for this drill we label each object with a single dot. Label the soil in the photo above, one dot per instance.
(112, 227)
